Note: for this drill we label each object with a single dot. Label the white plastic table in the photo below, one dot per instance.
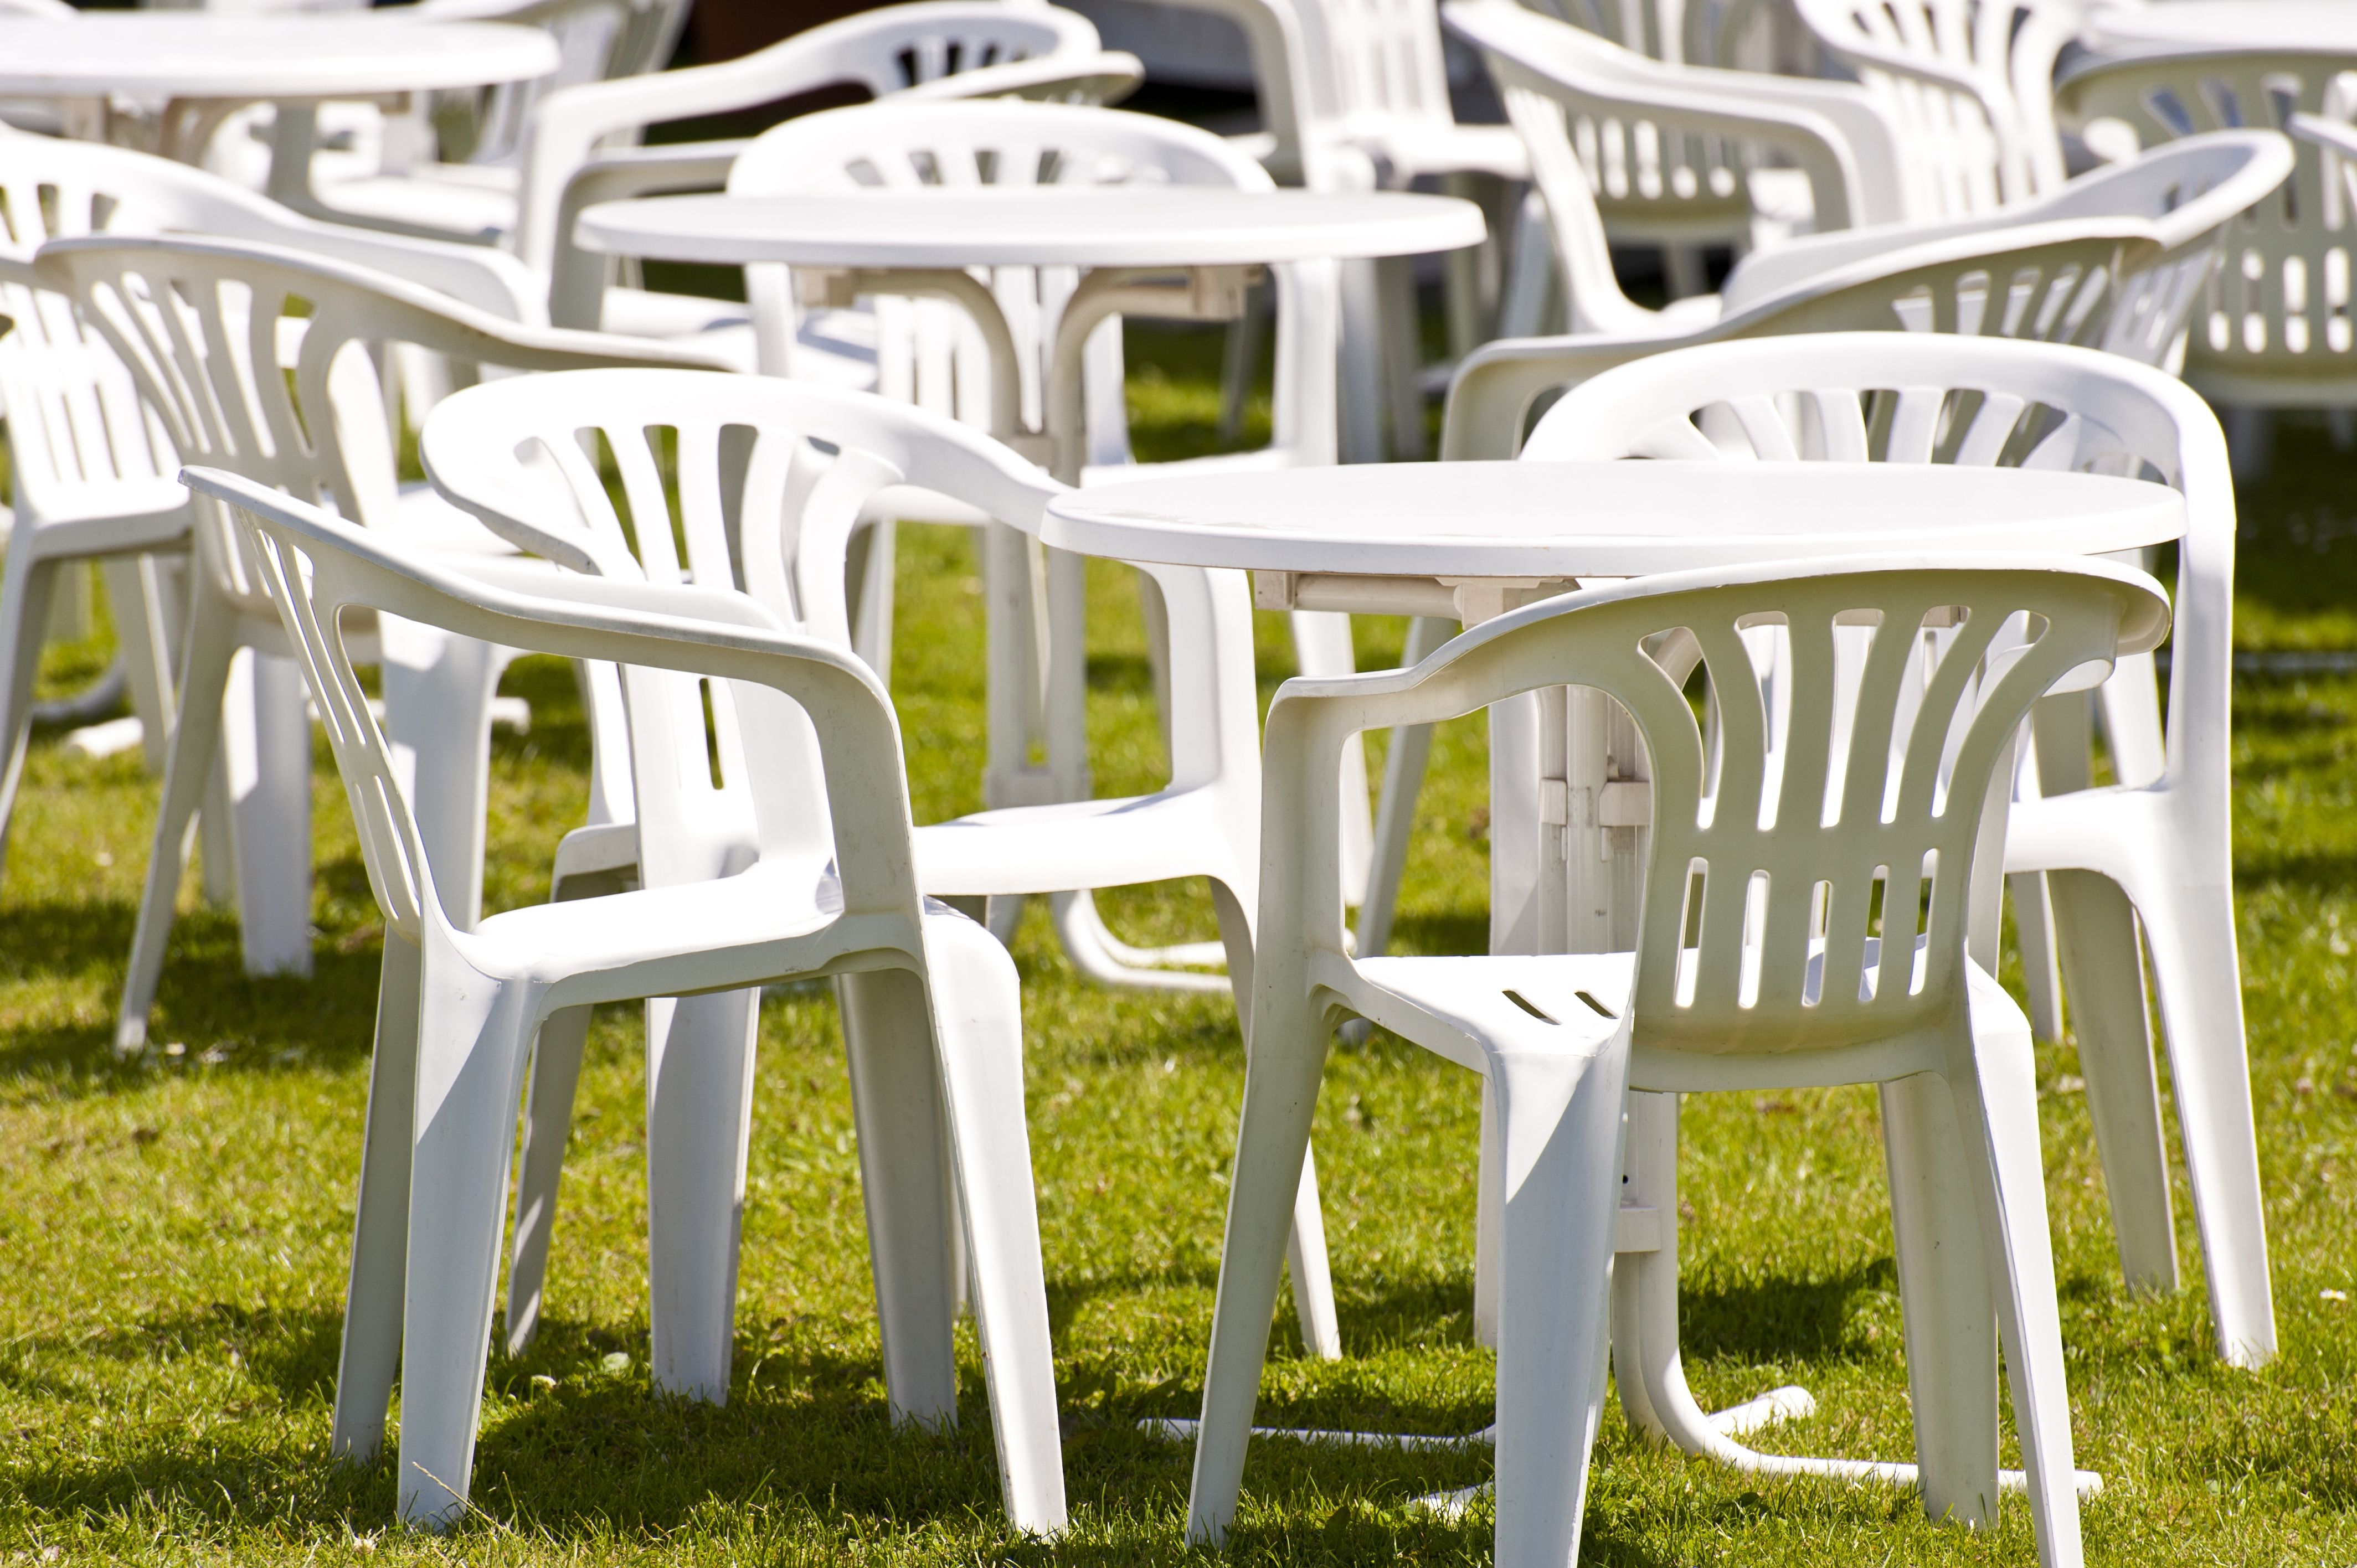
(2319, 26)
(1468, 540)
(1164, 251)
(203, 65)
(1123, 239)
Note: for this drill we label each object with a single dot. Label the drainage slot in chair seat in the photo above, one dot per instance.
(1535, 1011)
(1527, 1005)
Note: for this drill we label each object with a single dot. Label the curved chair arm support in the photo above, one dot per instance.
(707, 632)
(1490, 396)
(577, 288)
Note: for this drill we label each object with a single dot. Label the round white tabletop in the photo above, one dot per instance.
(198, 54)
(2307, 25)
(1086, 226)
(1539, 520)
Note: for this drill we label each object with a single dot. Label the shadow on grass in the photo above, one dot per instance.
(1778, 1317)
(207, 1002)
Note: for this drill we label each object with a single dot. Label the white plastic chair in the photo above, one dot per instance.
(761, 508)
(2185, 202)
(1970, 81)
(1670, 151)
(2158, 842)
(928, 351)
(922, 47)
(1761, 964)
(92, 471)
(206, 328)
(2272, 330)
(933, 1017)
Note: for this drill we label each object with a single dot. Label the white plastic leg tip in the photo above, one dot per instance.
(512, 714)
(1450, 1505)
(1787, 1404)
(106, 739)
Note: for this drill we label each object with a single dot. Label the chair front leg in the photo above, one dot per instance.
(1560, 1116)
(1282, 1073)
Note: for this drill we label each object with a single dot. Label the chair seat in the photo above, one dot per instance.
(433, 200)
(1463, 1007)
(428, 524)
(1077, 844)
(1416, 147)
(777, 901)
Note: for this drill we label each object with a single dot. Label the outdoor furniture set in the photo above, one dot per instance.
(1764, 764)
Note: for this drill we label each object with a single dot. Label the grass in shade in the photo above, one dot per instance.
(175, 1232)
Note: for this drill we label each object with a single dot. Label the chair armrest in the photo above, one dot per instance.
(1833, 130)
(567, 124)
(716, 633)
(1491, 397)
(1104, 77)
(576, 284)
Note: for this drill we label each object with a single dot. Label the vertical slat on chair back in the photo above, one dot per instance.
(1971, 152)
(2277, 309)
(1815, 893)
(1641, 175)
(74, 415)
(309, 588)
(1382, 57)
(204, 336)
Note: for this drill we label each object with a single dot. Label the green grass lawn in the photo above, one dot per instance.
(175, 1232)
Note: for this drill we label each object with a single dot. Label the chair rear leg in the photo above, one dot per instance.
(372, 1296)
(977, 1012)
(896, 1107)
(2033, 925)
(25, 598)
(1560, 1124)
(547, 1121)
(1996, 1104)
(699, 1117)
(2103, 966)
(2192, 934)
(1943, 1294)
(1405, 759)
(196, 739)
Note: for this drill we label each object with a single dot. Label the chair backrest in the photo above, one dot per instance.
(315, 567)
(1650, 136)
(889, 51)
(76, 426)
(1899, 398)
(929, 352)
(1375, 60)
(2047, 282)
(772, 476)
(2274, 325)
(596, 40)
(1808, 900)
(257, 358)
(1970, 80)
(2192, 192)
